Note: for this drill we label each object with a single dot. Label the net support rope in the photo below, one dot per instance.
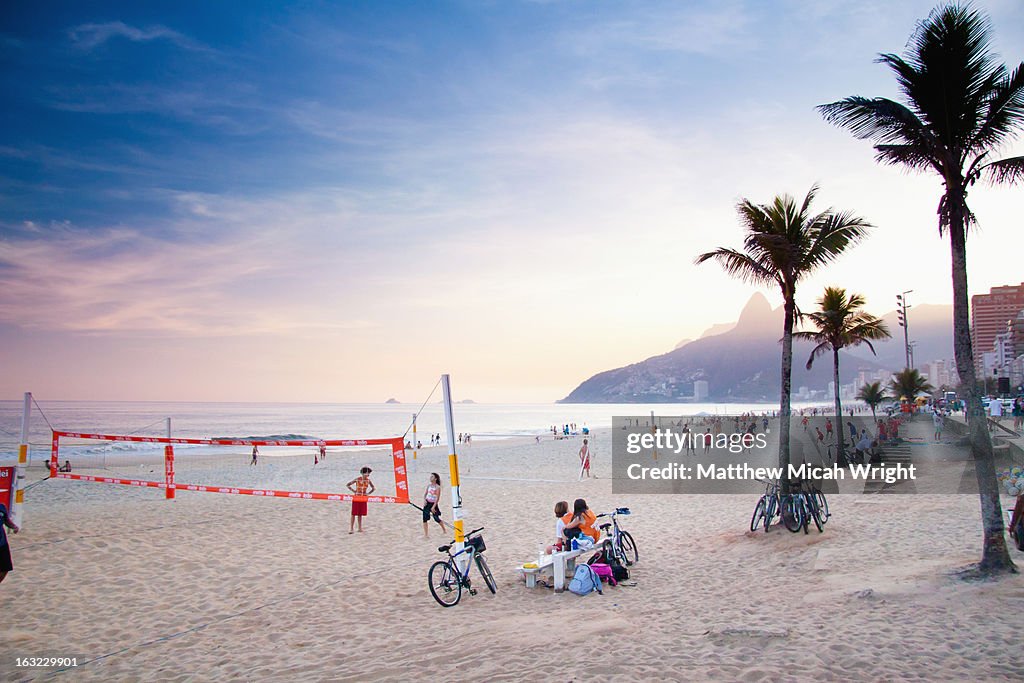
(417, 414)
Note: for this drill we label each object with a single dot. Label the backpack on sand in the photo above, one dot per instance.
(585, 580)
(604, 572)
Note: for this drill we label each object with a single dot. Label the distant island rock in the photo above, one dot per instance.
(392, 400)
(740, 361)
(467, 400)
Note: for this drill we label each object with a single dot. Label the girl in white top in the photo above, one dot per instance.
(430, 507)
(561, 509)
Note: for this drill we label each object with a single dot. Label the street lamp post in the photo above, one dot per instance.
(901, 315)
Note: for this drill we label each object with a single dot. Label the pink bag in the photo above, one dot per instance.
(605, 572)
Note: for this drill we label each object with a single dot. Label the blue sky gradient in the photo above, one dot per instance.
(340, 201)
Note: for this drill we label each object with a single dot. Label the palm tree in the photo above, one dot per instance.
(840, 323)
(872, 394)
(784, 244)
(909, 383)
(960, 106)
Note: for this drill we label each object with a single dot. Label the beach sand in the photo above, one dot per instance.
(212, 586)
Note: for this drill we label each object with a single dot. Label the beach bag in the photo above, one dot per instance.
(604, 572)
(585, 581)
(584, 542)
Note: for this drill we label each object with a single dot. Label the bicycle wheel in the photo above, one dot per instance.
(822, 506)
(792, 513)
(445, 585)
(814, 512)
(627, 546)
(485, 571)
(609, 554)
(759, 512)
(771, 510)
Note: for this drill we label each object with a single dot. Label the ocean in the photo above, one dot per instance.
(319, 420)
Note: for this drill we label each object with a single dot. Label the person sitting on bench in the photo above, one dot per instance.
(561, 510)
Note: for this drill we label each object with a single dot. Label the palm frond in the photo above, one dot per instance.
(1005, 171)
(832, 234)
(911, 156)
(738, 264)
(879, 119)
(1003, 111)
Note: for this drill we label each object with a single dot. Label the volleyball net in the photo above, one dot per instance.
(311, 469)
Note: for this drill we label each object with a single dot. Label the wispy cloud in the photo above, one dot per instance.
(684, 27)
(124, 281)
(91, 36)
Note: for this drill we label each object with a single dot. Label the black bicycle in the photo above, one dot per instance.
(447, 580)
(806, 503)
(620, 542)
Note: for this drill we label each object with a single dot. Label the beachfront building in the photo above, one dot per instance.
(700, 390)
(989, 315)
(998, 362)
(941, 373)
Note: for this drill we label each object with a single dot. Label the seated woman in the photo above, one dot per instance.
(581, 522)
(561, 510)
(66, 467)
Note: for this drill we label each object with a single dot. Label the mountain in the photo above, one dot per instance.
(739, 364)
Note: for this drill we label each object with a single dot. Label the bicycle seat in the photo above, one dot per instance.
(444, 549)
(605, 526)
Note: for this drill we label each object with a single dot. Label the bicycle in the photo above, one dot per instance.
(620, 542)
(768, 507)
(805, 504)
(445, 578)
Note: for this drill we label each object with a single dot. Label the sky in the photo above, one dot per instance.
(339, 202)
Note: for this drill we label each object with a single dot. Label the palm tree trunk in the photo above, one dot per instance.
(995, 557)
(840, 454)
(787, 387)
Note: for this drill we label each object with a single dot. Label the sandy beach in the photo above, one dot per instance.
(239, 588)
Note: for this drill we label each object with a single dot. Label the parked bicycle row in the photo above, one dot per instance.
(805, 503)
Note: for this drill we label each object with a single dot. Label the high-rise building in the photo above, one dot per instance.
(700, 390)
(989, 314)
(1018, 335)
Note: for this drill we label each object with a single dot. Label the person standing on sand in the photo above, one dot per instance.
(255, 454)
(430, 507)
(5, 548)
(585, 459)
(939, 424)
(361, 486)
